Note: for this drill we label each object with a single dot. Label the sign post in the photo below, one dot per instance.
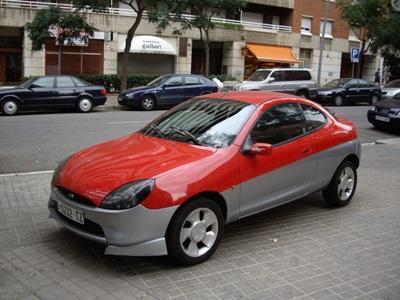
(354, 58)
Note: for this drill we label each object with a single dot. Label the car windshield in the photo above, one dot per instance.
(259, 75)
(393, 84)
(336, 83)
(157, 81)
(207, 122)
(27, 83)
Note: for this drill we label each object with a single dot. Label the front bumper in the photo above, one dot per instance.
(394, 123)
(128, 102)
(134, 232)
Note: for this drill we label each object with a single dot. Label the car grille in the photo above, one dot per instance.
(89, 226)
(74, 197)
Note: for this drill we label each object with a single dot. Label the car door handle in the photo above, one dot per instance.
(305, 150)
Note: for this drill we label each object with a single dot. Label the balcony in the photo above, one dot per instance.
(277, 3)
(124, 12)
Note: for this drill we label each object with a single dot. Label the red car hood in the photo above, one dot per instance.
(96, 171)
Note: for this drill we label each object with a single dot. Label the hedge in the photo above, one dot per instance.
(112, 83)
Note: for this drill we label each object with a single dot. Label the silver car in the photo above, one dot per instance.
(286, 80)
(391, 89)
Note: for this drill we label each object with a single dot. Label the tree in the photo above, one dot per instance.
(63, 27)
(203, 11)
(363, 17)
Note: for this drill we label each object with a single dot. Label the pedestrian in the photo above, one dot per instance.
(378, 76)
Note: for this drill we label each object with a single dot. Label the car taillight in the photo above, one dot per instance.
(103, 92)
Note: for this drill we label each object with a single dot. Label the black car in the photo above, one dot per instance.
(167, 90)
(52, 92)
(386, 114)
(349, 90)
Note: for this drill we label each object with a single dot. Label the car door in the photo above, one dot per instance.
(192, 88)
(276, 84)
(285, 174)
(365, 90)
(66, 92)
(171, 91)
(352, 91)
(40, 92)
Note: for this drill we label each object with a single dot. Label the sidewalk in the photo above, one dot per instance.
(302, 250)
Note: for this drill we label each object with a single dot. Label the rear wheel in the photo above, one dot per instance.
(147, 102)
(85, 105)
(10, 107)
(338, 100)
(195, 231)
(343, 185)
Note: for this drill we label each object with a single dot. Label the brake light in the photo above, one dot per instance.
(103, 92)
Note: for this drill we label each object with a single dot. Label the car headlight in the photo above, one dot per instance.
(128, 195)
(325, 93)
(58, 170)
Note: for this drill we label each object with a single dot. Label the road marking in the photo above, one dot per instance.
(27, 173)
(128, 122)
(368, 144)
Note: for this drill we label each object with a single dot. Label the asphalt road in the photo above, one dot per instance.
(38, 141)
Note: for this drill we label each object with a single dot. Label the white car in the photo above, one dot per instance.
(391, 89)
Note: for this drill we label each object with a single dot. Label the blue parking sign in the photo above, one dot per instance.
(355, 55)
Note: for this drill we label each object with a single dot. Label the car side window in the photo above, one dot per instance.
(44, 82)
(79, 82)
(279, 124)
(191, 80)
(362, 84)
(278, 75)
(174, 81)
(352, 83)
(64, 81)
(314, 118)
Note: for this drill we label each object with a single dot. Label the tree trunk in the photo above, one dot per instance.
(207, 54)
(128, 42)
(360, 65)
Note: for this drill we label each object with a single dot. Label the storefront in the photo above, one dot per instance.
(149, 54)
(10, 55)
(259, 56)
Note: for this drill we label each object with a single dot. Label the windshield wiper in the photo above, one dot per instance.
(156, 129)
(187, 134)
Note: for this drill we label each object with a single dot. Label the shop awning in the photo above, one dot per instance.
(150, 45)
(271, 53)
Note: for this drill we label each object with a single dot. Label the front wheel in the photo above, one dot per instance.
(338, 100)
(10, 107)
(343, 185)
(195, 232)
(147, 102)
(85, 105)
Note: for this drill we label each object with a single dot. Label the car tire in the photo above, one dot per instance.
(342, 186)
(374, 99)
(302, 94)
(84, 105)
(10, 107)
(195, 231)
(147, 102)
(338, 100)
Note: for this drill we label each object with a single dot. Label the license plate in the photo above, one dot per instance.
(383, 119)
(71, 213)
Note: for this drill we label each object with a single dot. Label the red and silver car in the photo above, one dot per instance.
(171, 187)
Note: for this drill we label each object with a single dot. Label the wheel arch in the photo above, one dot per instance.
(11, 97)
(303, 90)
(352, 158)
(155, 96)
(86, 95)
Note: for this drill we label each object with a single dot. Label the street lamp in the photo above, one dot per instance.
(322, 40)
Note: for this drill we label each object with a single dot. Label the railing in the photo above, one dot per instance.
(130, 12)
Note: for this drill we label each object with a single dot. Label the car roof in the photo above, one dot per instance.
(284, 69)
(252, 97)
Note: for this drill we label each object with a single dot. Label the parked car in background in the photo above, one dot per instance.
(391, 89)
(52, 92)
(386, 113)
(171, 187)
(348, 91)
(285, 80)
(167, 90)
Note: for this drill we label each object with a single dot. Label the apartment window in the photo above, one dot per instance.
(305, 58)
(328, 28)
(352, 34)
(252, 17)
(306, 25)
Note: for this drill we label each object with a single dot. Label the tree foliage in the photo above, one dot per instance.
(203, 10)
(363, 17)
(55, 23)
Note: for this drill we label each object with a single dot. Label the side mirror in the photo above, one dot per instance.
(271, 79)
(261, 149)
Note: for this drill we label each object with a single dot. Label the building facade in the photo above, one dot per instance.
(266, 33)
